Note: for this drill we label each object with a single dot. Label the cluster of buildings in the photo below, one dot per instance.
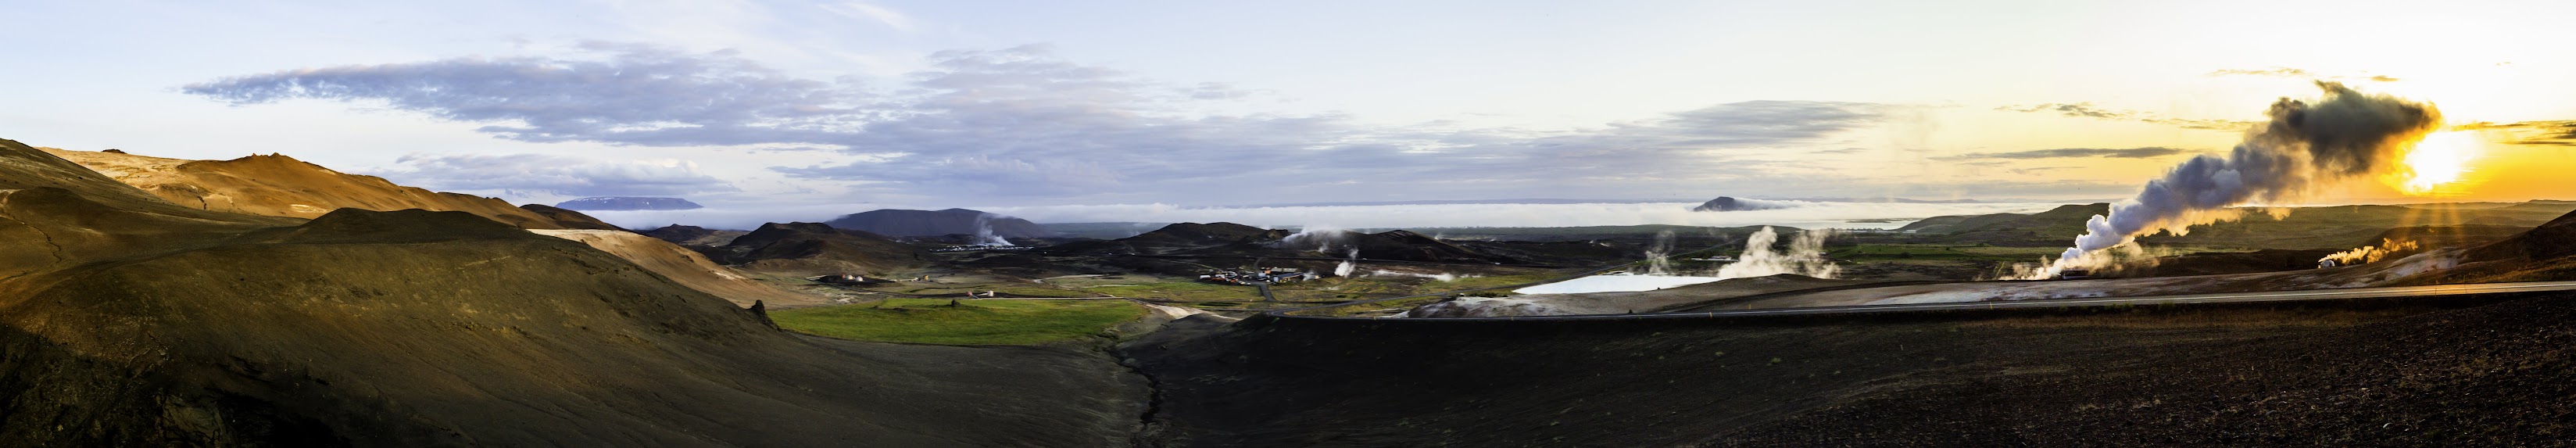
(846, 279)
(1263, 275)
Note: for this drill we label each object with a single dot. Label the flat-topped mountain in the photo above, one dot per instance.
(955, 221)
(629, 203)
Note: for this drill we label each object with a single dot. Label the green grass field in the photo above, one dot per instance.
(1180, 290)
(974, 322)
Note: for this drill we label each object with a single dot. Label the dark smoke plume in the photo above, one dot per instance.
(2305, 145)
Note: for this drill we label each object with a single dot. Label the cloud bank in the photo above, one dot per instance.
(1023, 123)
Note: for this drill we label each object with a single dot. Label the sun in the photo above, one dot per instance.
(2441, 160)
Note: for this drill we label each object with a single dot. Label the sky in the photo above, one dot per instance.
(856, 105)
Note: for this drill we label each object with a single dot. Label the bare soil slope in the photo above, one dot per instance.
(276, 185)
(686, 267)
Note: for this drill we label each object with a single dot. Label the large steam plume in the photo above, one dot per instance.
(1806, 256)
(2343, 135)
(984, 232)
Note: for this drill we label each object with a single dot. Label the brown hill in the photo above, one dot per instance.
(129, 321)
(276, 185)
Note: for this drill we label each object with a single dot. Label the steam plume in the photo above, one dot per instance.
(1321, 237)
(2370, 254)
(1658, 255)
(984, 232)
(1806, 256)
(1348, 265)
(2342, 135)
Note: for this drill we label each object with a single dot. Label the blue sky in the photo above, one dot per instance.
(937, 104)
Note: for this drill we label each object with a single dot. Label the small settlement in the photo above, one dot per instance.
(1262, 275)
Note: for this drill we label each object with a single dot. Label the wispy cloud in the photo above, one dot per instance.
(2088, 110)
(2549, 133)
(2284, 72)
(635, 95)
(2287, 72)
(866, 11)
(2118, 153)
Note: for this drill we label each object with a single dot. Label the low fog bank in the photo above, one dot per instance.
(1807, 215)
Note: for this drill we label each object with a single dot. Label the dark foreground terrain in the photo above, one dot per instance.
(2460, 372)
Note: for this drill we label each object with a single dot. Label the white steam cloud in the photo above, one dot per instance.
(1321, 238)
(2305, 146)
(2369, 254)
(1348, 265)
(1806, 256)
(984, 232)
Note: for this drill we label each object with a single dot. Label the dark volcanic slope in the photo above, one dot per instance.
(2451, 372)
(804, 248)
(894, 222)
(2490, 376)
(132, 322)
(1179, 237)
(694, 236)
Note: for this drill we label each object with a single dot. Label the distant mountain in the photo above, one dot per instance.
(629, 203)
(1729, 204)
(896, 222)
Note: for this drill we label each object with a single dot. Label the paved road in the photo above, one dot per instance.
(2266, 296)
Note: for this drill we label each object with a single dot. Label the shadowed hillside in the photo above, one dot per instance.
(805, 248)
(129, 321)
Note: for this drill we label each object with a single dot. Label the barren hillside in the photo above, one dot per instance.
(276, 185)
